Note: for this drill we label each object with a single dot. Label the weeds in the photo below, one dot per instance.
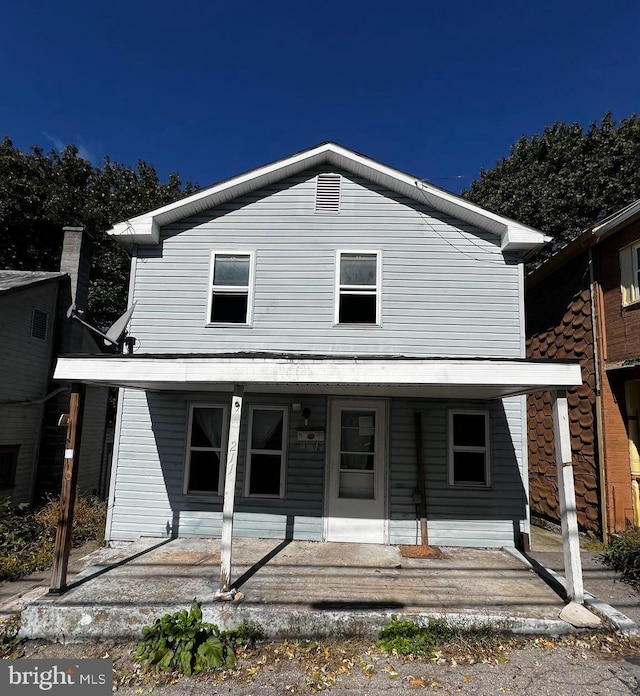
(27, 539)
(411, 638)
(623, 555)
(9, 640)
(182, 642)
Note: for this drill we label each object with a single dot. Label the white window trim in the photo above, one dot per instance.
(486, 449)
(188, 448)
(283, 452)
(635, 282)
(378, 291)
(249, 288)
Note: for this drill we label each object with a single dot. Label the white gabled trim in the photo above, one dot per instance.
(145, 228)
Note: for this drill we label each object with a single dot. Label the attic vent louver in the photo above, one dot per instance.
(39, 320)
(328, 193)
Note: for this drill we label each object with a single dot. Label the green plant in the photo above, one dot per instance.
(411, 638)
(9, 640)
(183, 642)
(623, 555)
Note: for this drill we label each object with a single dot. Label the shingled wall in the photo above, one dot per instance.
(559, 326)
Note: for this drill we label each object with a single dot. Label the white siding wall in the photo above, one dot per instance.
(446, 289)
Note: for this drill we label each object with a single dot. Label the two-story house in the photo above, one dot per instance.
(34, 330)
(290, 324)
(584, 304)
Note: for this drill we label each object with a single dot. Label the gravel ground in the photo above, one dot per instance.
(592, 664)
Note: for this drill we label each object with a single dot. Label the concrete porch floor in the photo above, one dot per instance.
(293, 589)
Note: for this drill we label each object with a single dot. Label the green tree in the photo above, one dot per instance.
(565, 179)
(42, 192)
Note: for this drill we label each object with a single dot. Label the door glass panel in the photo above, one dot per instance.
(357, 454)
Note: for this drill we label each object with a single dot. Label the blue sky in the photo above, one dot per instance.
(211, 89)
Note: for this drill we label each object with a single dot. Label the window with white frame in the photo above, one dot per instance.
(469, 448)
(630, 274)
(266, 452)
(231, 288)
(358, 287)
(206, 448)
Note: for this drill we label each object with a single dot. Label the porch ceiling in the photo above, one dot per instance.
(468, 378)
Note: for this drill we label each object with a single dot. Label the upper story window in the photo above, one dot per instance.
(469, 448)
(358, 287)
(266, 452)
(204, 471)
(231, 294)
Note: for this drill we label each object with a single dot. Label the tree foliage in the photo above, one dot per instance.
(565, 179)
(42, 192)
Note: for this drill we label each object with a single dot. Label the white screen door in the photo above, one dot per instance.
(356, 501)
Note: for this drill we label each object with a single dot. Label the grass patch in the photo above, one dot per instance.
(623, 555)
(409, 638)
(27, 538)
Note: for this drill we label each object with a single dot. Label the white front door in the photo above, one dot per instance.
(356, 488)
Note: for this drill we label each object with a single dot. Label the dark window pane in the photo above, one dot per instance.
(265, 474)
(206, 428)
(231, 270)
(229, 308)
(356, 461)
(357, 309)
(8, 461)
(357, 431)
(204, 471)
(469, 430)
(468, 467)
(358, 269)
(267, 429)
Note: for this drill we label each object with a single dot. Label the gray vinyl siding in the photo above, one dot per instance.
(92, 443)
(149, 479)
(456, 516)
(24, 371)
(446, 288)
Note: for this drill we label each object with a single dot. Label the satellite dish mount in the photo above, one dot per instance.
(117, 333)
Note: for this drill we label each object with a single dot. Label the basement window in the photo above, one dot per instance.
(469, 448)
(358, 287)
(8, 464)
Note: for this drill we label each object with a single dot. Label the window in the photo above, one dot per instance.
(469, 448)
(266, 452)
(231, 288)
(8, 462)
(39, 321)
(358, 288)
(206, 449)
(630, 274)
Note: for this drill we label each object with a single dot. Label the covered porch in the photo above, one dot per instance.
(361, 376)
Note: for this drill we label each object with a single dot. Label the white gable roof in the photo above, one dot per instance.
(145, 229)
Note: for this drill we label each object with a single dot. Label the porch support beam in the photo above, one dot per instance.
(230, 489)
(68, 491)
(567, 494)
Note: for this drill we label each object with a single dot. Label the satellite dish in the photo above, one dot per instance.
(116, 331)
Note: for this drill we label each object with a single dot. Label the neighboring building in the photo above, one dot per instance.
(584, 303)
(34, 329)
(291, 322)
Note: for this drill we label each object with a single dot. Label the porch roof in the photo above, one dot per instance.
(469, 378)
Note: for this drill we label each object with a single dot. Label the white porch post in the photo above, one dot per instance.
(567, 494)
(230, 488)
